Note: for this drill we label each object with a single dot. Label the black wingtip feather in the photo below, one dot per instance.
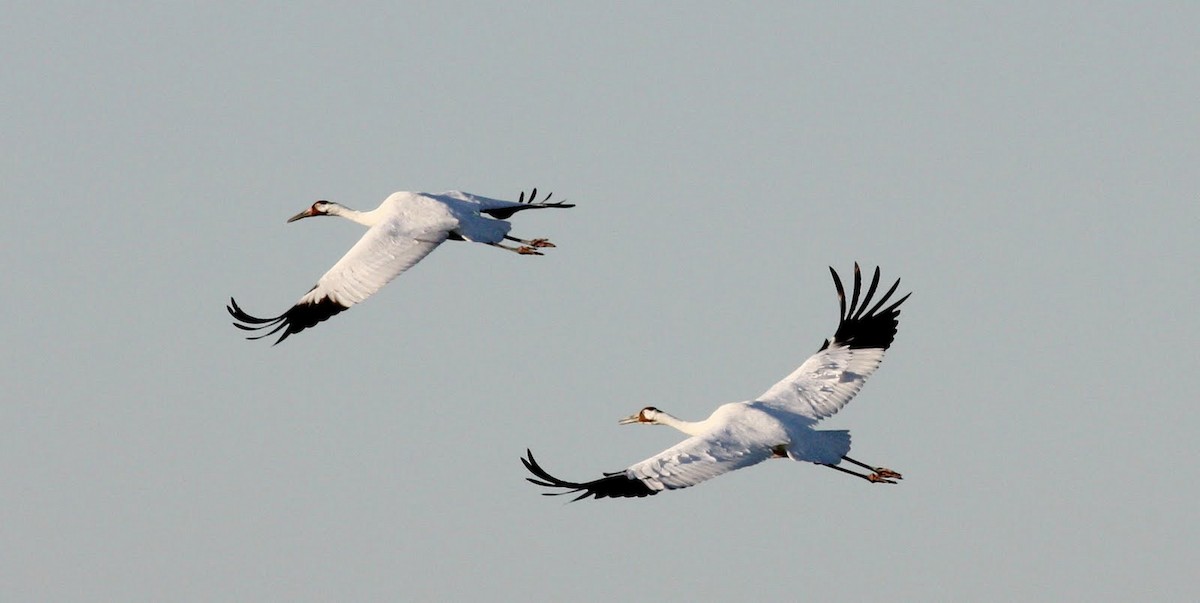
(614, 485)
(296, 319)
(857, 289)
(860, 328)
(841, 292)
(870, 292)
(504, 213)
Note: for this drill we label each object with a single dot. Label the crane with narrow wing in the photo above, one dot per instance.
(777, 424)
(405, 228)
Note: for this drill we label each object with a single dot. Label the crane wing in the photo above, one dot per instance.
(685, 464)
(612, 485)
(385, 251)
(830, 378)
(503, 210)
(697, 459)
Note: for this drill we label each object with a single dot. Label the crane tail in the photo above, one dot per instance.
(826, 447)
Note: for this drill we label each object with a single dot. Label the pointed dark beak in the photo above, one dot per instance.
(637, 418)
(304, 214)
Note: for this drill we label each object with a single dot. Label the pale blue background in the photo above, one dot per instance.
(1029, 170)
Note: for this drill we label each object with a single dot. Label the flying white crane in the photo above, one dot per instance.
(777, 424)
(400, 232)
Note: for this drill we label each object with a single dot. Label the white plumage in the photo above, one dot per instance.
(777, 424)
(405, 228)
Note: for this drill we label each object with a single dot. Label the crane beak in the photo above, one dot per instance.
(631, 419)
(308, 213)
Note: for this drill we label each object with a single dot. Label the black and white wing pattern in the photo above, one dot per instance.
(694, 460)
(612, 485)
(503, 210)
(832, 376)
(382, 254)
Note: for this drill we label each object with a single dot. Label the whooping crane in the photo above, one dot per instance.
(777, 424)
(400, 232)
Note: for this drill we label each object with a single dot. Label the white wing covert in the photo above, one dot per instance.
(695, 460)
(830, 378)
(384, 253)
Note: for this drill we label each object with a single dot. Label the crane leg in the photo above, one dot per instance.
(881, 471)
(532, 242)
(875, 477)
(523, 249)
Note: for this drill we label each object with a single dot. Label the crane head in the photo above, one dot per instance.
(646, 415)
(320, 208)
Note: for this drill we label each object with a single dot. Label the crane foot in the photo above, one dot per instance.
(886, 473)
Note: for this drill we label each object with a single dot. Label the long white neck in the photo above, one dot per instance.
(366, 218)
(689, 427)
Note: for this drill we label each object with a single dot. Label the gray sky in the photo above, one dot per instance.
(1028, 171)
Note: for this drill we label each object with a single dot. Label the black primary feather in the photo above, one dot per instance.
(504, 213)
(612, 485)
(862, 328)
(297, 318)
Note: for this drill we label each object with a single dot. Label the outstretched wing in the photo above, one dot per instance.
(385, 251)
(697, 459)
(832, 376)
(688, 463)
(612, 485)
(503, 210)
